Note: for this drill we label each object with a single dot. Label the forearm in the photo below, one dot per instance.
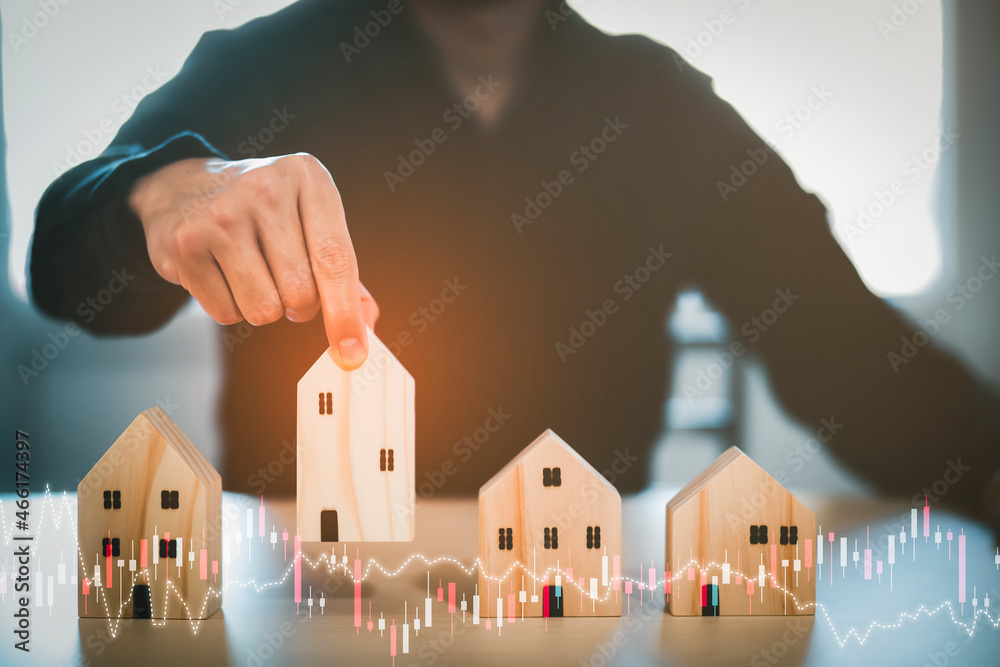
(89, 262)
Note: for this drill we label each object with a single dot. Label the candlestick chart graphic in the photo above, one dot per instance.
(873, 561)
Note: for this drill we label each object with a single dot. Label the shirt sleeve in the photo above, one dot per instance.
(761, 249)
(84, 228)
(85, 232)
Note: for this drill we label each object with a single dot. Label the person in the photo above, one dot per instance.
(524, 196)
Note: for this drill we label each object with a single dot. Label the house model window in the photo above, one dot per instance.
(789, 535)
(514, 497)
(112, 500)
(758, 534)
(152, 460)
(111, 547)
(168, 549)
(385, 460)
(507, 539)
(374, 425)
(169, 500)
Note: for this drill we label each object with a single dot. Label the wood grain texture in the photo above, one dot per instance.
(339, 454)
(709, 521)
(151, 456)
(516, 498)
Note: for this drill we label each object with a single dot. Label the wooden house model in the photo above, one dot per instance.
(150, 527)
(355, 446)
(750, 536)
(552, 513)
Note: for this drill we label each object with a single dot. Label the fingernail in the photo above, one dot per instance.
(292, 316)
(351, 351)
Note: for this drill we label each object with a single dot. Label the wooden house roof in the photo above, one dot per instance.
(548, 437)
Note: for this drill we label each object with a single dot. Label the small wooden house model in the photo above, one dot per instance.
(150, 527)
(739, 543)
(549, 536)
(355, 445)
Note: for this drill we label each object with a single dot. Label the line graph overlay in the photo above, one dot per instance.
(58, 512)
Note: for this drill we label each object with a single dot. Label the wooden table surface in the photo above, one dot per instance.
(259, 625)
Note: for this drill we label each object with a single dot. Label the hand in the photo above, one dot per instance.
(258, 240)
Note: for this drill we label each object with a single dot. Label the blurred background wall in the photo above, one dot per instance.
(848, 92)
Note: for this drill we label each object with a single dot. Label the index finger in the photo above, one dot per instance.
(334, 265)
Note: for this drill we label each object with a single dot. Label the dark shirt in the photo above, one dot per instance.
(611, 150)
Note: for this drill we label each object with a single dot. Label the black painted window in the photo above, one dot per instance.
(789, 535)
(593, 537)
(551, 540)
(112, 500)
(386, 460)
(169, 500)
(551, 477)
(758, 534)
(168, 549)
(325, 403)
(111, 547)
(506, 539)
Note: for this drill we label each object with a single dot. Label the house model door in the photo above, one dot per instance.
(329, 530)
